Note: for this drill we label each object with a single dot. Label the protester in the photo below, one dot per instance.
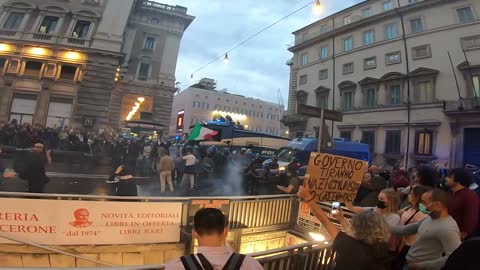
(31, 167)
(422, 176)
(165, 168)
(386, 206)
(399, 178)
(366, 248)
(210, 230)
(364, 188)
(122, 182)
(293, 182)
(465, 204)
(377, 184)
(465, 257)
(189, 171)
(409, 215)
(437, 234)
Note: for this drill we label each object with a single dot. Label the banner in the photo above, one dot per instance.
(334, 178)
(58, 222)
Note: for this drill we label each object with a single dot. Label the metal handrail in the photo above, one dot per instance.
(263, 255)
(56, 196)
(33, 244)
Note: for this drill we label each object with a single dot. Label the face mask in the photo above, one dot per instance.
(381, 204)
(422, 208)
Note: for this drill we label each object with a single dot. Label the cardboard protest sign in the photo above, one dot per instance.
(332, 178)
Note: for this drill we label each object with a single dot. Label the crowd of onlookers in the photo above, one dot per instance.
(62, 138)
(408, 220)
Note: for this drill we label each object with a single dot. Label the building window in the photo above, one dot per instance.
(387, 5)
(68, 72)
(206, 105)
(423, 142)
(347, 20)
(416, 25)
(81, 29)
(32, 68)
(303, 79)
(348, 68)
(324, 28)
(23, 108)
(348, 44)
(226, 108)
(149, 43)
(346, 134)
(13, 21)
(323, 74)
(395, 94)
(143, 72)
(322, 100)
(421, 52)
(465, 14)
(368, 137)
(347, 100)
(369, 63)
(471, 42)
(218, 107)
(392, 58)
(196, 104)
(368, 38)
(59, 112)
(391, 31)
(424, 92)
(370, 97)
(392, 142)
(301, 98)
(324, 53)
(48, 25)
(476, 86)
(304, 59)
(367, 12)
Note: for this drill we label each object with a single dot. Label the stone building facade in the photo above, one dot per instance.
(386, 65)
(201, 101)
(66, 63)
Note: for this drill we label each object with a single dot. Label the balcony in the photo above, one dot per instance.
(163, 7)
(8, 33)
(470, 105)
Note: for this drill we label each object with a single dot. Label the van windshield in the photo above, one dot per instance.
(286, 153)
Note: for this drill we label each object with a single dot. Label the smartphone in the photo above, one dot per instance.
(335, 207)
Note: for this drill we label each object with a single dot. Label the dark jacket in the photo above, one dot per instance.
(376, 185)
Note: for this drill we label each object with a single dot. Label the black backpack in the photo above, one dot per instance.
(190, 262)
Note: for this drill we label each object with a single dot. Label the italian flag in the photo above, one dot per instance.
(200, 133)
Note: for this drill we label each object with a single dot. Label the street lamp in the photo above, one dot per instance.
(225, 59)
(317, 8)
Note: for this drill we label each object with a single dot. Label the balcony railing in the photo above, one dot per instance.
(465, 105)
(156, 5)
(8, 33)
(42, 36)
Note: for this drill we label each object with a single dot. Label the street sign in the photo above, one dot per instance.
(317, 112)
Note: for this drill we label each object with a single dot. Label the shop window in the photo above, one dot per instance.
(68, 72)
(23, 108)
(59, 112)
(32, 68)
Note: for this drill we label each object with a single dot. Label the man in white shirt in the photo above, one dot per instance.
(210, 230)
(189, 171)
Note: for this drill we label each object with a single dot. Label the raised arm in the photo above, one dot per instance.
(409, 229)
(304, 193)
(355, 209)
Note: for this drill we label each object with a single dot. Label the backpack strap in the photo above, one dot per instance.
(205, 263)
(190, 263)
(234, 262)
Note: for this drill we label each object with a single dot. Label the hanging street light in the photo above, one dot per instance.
(225, 59)
(317, 8)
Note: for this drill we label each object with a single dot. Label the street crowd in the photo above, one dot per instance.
(407, 220)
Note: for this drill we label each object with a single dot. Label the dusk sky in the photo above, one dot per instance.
(257, 68)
